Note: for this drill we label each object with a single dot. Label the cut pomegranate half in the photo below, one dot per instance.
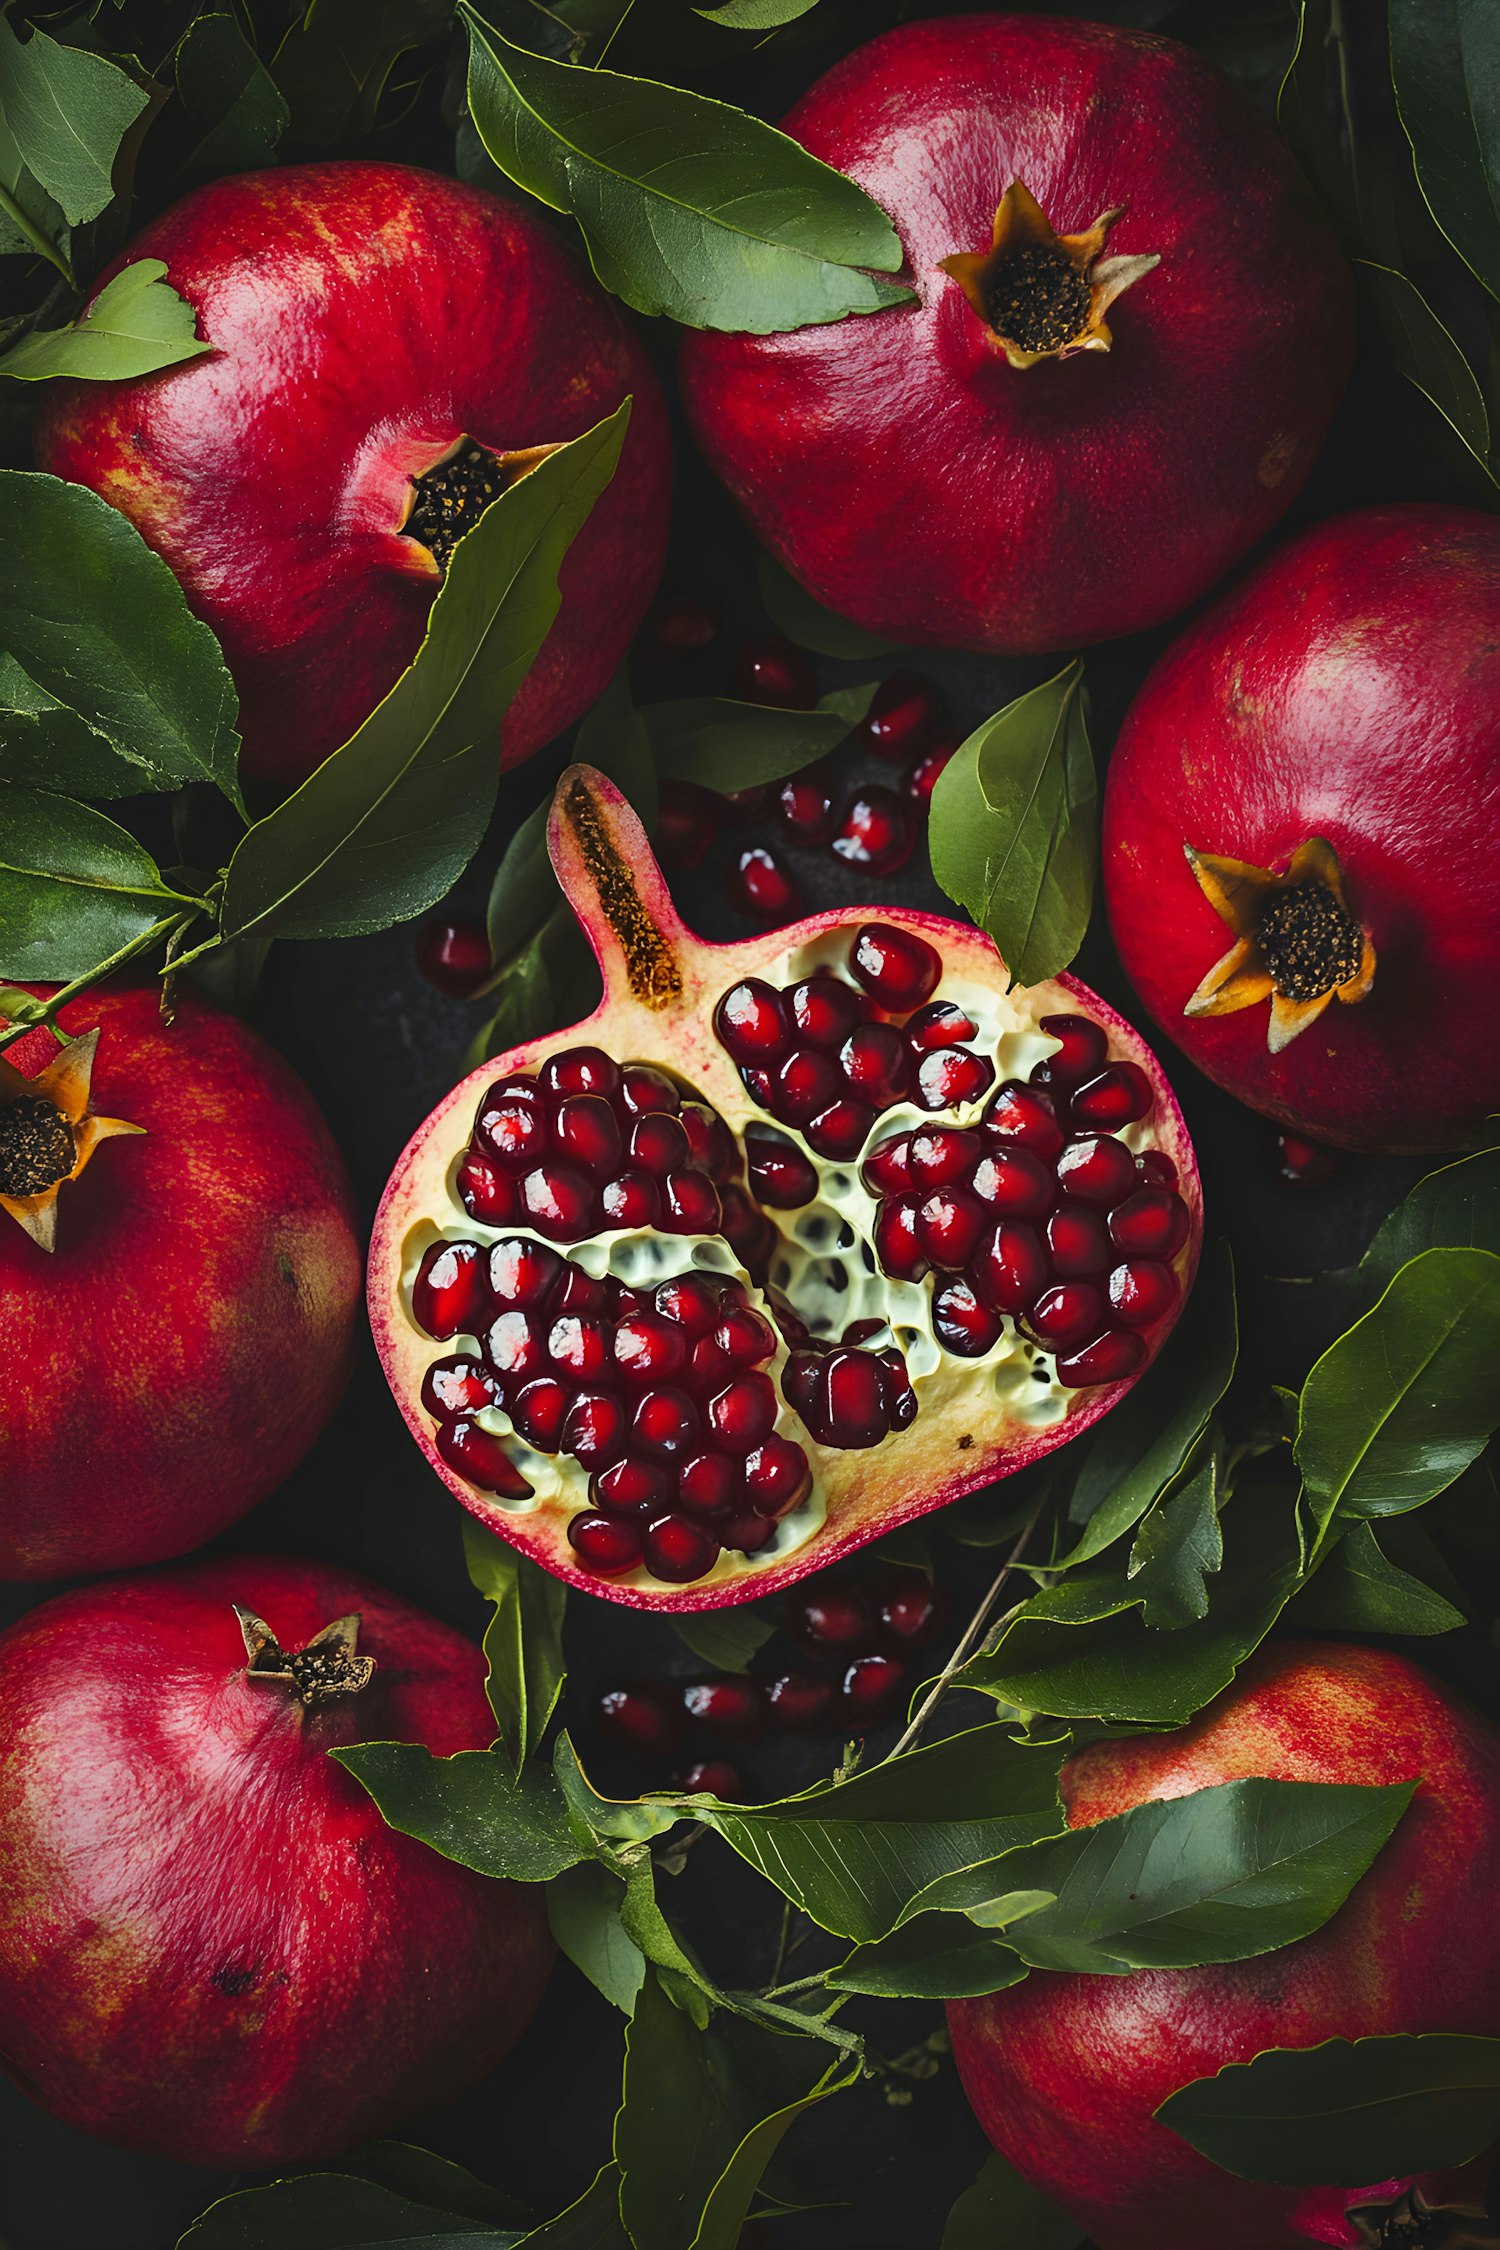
(791, 1242)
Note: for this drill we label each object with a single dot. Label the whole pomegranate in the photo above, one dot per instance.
(1065, 2072)
(390, 349)
(212, 1948)
(1298, 832)
(791, 1242)
(179, 1277)
(999, 465)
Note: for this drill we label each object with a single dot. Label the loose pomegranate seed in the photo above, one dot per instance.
(1010, 1270)
(1015, 1182)
(580, 1070)
(763, 887)
(1066, 1314)
(680, 625)
(1022, 1114)
(678, 1550)
(1153, 1223)
(911, 1612)
(644, 1091)
(743, 1414)
(887, 1168)
(586, 1130)
(454, 956)
(1078, 1245)
(940, 1155)
(776, 1476)
(579, 1346)
(516, 1349)
(451, 1293)
(780, 1175)
(797, 1701)
(870, 1686)
(480, 1457)
(773, 671)
(1303, 1163)
(633, 1487)
(538, 1410)
(666, 1422)
(877, 833)
(833, 1618)
(732, 1706)
(689, 1300)
(648, 1348)
(1142, 1292)
(712, 1777)
(687, 824)
(840, 1131)
(606, 1545)
(641, 1717)
(942, 1023)
(1100, 1171)
(595, 1429)
(875, 1062)
(690, 1204)
(806, 1083)
(486, 1192)
(708, 1486)
(1082, 1054)
(632, 1201)
(1108, 1359)
(948, 1077)
(924, 773)
(457, 1386)
(903, 715)
(804, 809)
(751, 1022)
(1116, 1098)
(897, 1244)
(512, 1127)
(949, 1224)
(961, 1323)
(896, 967)
(561, 1201)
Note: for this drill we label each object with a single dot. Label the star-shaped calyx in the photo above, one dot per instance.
(328, 1667)
(1412, 2223)
(1297, 941)
(1044, 295)
(47, 1135)
(449, 498)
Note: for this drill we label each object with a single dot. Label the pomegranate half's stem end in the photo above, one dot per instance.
(610, 878)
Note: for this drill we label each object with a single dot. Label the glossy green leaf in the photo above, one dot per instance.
(336, 60)
(622, 1820)
(1305, 110)
(1445, 61)
(933, 1957)
(1014, 827)
(1179, 1547)
(1358, 1589)
(229, 97)
(726, 745)
(1405, 1399)
(385, 826)
(583, 1907)
(469, 1807)
(1346, 2112)
(41, 741)
(66, 112)
(98, 622)
(793, 611)
(1001, 2211)
(31, 224)
(1425, 353)
(337, 2211)
(523, 1645)
(1455, 1208)
(756, 15)
(592, 2223)
(429, 2178)
(136, 325)
(723, 1639)
(688, 207)
(74, 887)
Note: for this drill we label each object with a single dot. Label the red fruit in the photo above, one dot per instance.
(762, 886)
(903, 717)
(373, 326)
(869, 454)
(174, 1991)
(876, 833)
(454, 956)
(1281, 732)
(641, 1718)
(724, 1310)
(687, 824)
(1064, 2072)
(191, 1324)
(773, 671)
(731, 1706)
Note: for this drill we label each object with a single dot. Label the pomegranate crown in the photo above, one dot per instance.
(319, 1673)
(1041, 294)
(48, 1132)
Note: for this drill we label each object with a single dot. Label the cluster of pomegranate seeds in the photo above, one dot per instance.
(660, 1394)
(1039, 1214)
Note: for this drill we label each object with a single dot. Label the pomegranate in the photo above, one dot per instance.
(178, 1281)
(212, 1947)
(391, 349)
(1065, 2072)
(997, 465)
(759, 1262)
(1297, 832)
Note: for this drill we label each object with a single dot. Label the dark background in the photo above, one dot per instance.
(378, 1047)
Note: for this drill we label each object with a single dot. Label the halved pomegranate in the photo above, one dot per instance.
(792, 1241)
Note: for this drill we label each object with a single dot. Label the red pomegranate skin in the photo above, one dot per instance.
(178, 1352)
(915, 481)
(212, 1948)
(1348, 688)
(1064, 2072)
(364, 317)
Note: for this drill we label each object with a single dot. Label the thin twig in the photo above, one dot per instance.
(972, 1634)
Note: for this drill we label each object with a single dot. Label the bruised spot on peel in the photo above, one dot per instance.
(655, 978)
(1276, 460)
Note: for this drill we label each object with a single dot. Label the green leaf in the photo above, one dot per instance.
(1346, 2112)
(40, 740)
(1014, 827)
(1305, 116)
(724, 1639)
(136, 325)
(1456, 1208)
(385, 825)
(1425, 353)
(1405, 1399)
(1358, 1589)
(523, 1645)
(592, 2223)
(336, 2211)
(1001, 2212)
(1445, 61)
(74, 888)
(66, 112)
(756, 15)
(429, 2178)
(98, 622)
(688, 207)
(230, 97)
(726, 745)
(621, 1820)
(933, 1957)
(793, 611)
(583, 1907)
(469, 1808)
(1178, 1548)
(334, 64)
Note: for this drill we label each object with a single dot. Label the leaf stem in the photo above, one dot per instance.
(971, 1635)
(169, 926)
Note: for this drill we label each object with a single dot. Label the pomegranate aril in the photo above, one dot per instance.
(949, 1224)
(487, 1192)
(924, 773)
(849, 1409)
(516, 1348)
(911, 1612)
(712, 1777)
(877, 833)
(870, 1686)
(658, 1144)
(896, 967)
(824, 1010)
(538, 1409)
(1083, 1052)
(748, 1533)
(457, 1386)
(840, 1131)
(780, 1175)
(644, 1091)
(1078, 1245)
(561, 1201)
(875, 1062)
(1152, 1223)
(806, 1083)
(1099, 1171)
(633, 1487)
(581, 1070)
(942, 1023)
(1065, 1315)
(773, 671)
(689, 1300)
(586, 1130)
(797, 1701)
(1141, 1292)
(744, 807)
(454, 956)
(1156, 1168)
(732, 1706)
(1014, 1181)
(641, 1717)
(1022, 1115)
(776, 1476)
(708, 1486)
(949, 1077)
(941, 1155)
(580, 1292)
(678, 1550)
(887, 1168)
(594, 1429)
(1009, 1271)
(1117, 1097)
(633, 1200)
(680, 625)
(512, 1128)
(1301, 1162)
(710, 1144)
(666, 1422)
(524, 1273)
(900, 1398)
(745, 1337)
(578, 1346)
(751, 1022)
(687, 824)
(451, 1294)
(961, 1324)
(837, 1619)
(1108, 1359)
(648, 1348)
(748, 1232)
(743, 1414)
(480, 1457)
(605, 1545)
(897, 1244)
(763, 887)
(690, 1204)
(804, 809)
(903, 715)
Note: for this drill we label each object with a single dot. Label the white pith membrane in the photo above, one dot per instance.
(824, 1265)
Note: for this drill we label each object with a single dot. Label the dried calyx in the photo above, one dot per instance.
(1412, 2223)
(1040, 294)
(48, 1133)
(328, 1667)
(1297, 941)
